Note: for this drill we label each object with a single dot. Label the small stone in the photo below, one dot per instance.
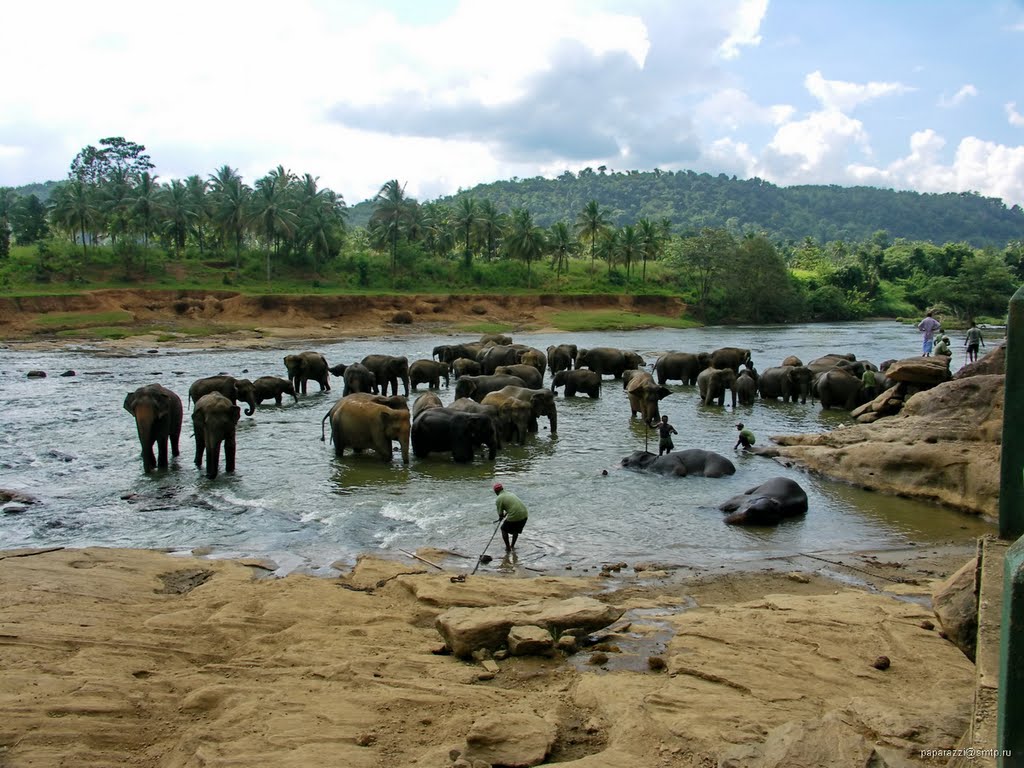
(798, 577)
(598, 659)
(927, 625)
(480, 654)
(36, 374)
(68, 374)
(365, 739)
(656, 663)
(483, 676)
(882, 662)
(462, 763)
(500, 654)
(490, 665)
(454, 754)
(567, 644)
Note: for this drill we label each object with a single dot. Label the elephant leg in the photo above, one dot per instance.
(229, 453)
(162, 451)
(200, 446)
(339, 441)
(277, 399)
(212, 457)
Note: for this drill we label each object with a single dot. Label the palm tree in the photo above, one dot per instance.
(321, 221)
(562, 245)
(491, 225)
(199, 200)
(592, 222)
(114, 196)
(390, 215)
(144, 209)
(525, 240)
(630, 246)
(466, 218)
(272, 211)
(178, 213)
(608, 247)
(230, 207)
(74, 209)
(438, 233)
(8, 197)
(651, 242)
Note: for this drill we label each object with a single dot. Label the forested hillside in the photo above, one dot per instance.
(692, 201)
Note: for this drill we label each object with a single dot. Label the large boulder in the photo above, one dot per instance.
(992, 363)
(468, 629)
(920, 371)
(955, 602)
(511, 739)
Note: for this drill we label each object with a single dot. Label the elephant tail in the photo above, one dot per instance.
(322, 422)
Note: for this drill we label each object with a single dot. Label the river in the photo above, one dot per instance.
(68, 442)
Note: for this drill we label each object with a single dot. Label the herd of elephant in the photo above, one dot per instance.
(499, 397)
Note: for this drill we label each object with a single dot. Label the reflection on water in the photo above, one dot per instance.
(69, 442)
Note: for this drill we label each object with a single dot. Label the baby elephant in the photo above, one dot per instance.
(273, 387)
(766, 504)
(214, 419)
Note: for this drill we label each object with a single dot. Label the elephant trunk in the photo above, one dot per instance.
(144, 420)
(212, 456)
(405, 384)
(251, 400)
(553, 421)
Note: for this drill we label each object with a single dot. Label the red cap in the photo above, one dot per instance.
(498, 487)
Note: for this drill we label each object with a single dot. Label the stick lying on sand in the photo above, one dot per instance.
(421, 559)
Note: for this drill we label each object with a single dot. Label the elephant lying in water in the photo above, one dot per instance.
(766, 504)
(692, 461)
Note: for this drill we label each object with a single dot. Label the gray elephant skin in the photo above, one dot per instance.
(541, 401)
(158, 414)
(499, 354)
(308, 366)
(501, 426)
(477, 387)
(531, 375)
(389, 370)
(712, 384)
(463, 366)
(644, 395)
(364, 422)
(608, 360)
(532, 356)
(730, 357)
(425, 402)
(233, 389)
(587, 382)
(692, 462)
(443, 430)
(273, 387)
(746, 387)
(766, 504)
(838, 388)
(561, 357)
(429, 372)
(214, 419)
(513, 417)
(449, 353)
(790, 382)
(680, 366)
(358, 378)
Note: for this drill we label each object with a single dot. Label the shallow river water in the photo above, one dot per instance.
(69, 442)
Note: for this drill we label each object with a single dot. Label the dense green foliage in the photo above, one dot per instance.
(776, 257)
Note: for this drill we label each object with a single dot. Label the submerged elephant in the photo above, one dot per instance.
(712, 384)
(275, 387)
(496, 355)
(681, 366)
(495, 338)
(561, 357)
(158, 414)
(786, 381)
(587, 382)
(608, 360)
(233, 389)
(425, 402)
(531, 376)
(463, 366)
(429, 372)
(644, 395)
(308, 366)
(694, 462)
(214, 419)
(767, 503)
(389, 370)
(443, 430)
(365, 422)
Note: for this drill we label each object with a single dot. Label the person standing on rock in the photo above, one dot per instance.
(928, 327)
(870, 383)
(974, 337)
(513, 512)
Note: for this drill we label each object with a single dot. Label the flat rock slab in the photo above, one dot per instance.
(467, 629)
(924, 371)
(511, 739)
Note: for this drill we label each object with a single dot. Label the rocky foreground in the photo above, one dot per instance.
(943, 446)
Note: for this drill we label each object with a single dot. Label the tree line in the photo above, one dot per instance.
(287, 227)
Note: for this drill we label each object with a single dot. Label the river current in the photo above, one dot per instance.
(68, 442)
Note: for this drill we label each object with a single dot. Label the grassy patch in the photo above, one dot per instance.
(486, 328)
(55, 320)
(616, 320)
(97, 332)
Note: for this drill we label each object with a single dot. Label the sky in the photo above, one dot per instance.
(923, 95)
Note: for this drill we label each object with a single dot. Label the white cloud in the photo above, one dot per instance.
(844, 96)
(1015, 117)
(817, 147)
(958, 98)
(745, 29)
(731, 108)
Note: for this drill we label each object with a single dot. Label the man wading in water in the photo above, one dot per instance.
(514, 513)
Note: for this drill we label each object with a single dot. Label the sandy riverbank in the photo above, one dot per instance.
(140, 658)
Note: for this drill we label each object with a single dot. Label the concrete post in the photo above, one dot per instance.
(1011, 477)
(1010, 734)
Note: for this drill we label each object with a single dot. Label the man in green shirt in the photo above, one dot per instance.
(746, 438)
(870, 382)
(513, 512)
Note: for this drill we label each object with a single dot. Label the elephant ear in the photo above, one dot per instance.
(634, 384)
(663, 392)
(129, 402)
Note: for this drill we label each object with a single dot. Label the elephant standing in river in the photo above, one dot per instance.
(388, 370)
(158, 415)
(449, 353)
(232, 388)
(838, 388)
(692, 462)
(308, 366)
(681, 366)
(786, 381)
(561, 357)
(767, 503)
(493, 356)
(608, 360)
(730, 357)
(712, 384)
(512, 415)
(361, 422)
(644, 395)
(429, 372)
(587, 382)
(478, 386)
(267, 387)
(463, 366)
(214, 419)
(746, 387)
(531, 377)
(532, 356)
(542, 403)
(358, 378)
(425, 402)
(442, 430)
